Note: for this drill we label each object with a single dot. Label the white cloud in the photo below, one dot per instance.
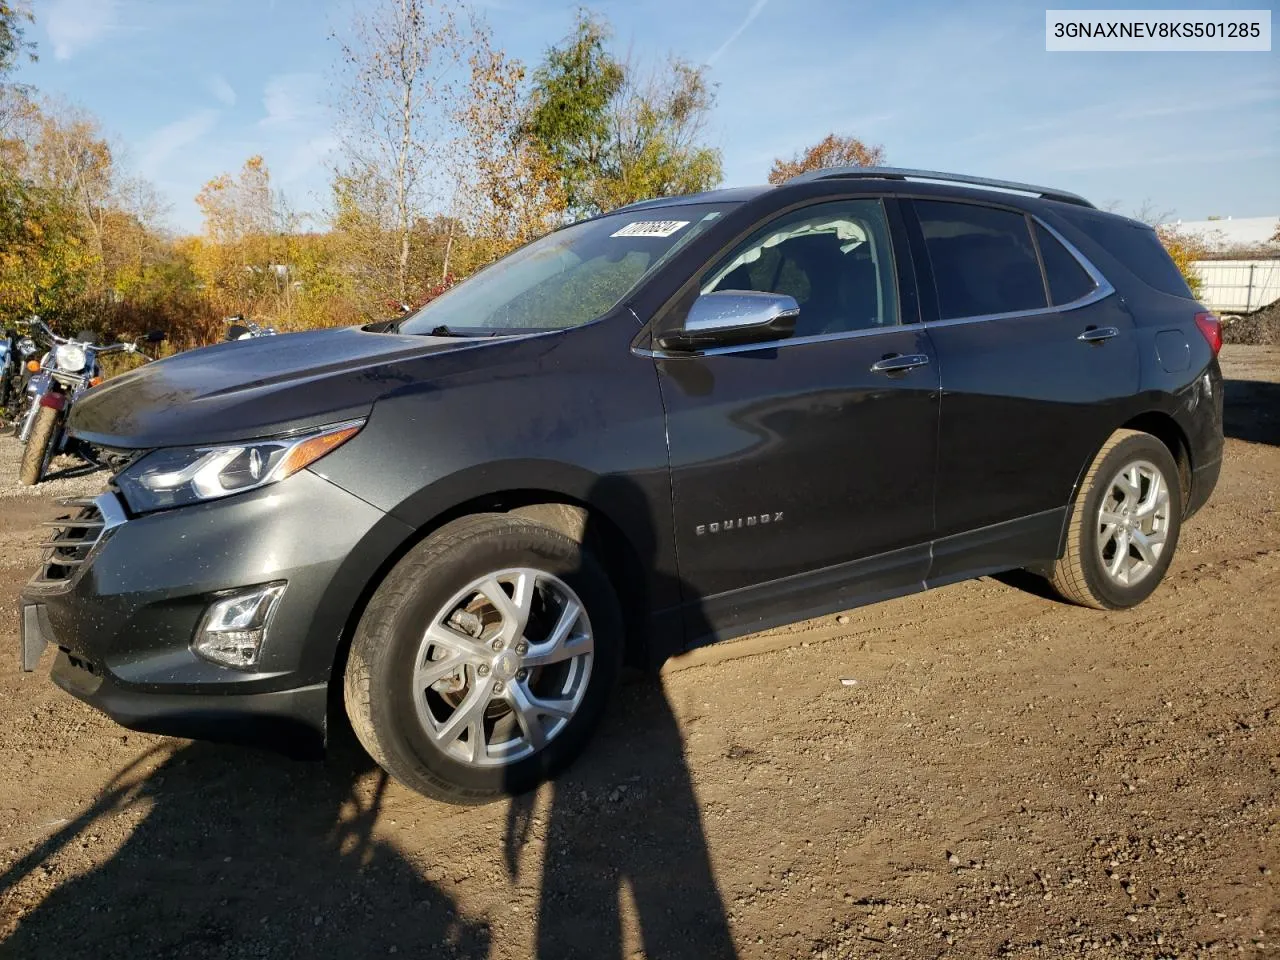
(222, 90)
(751, 15)
(73, 25)
(290, 97)
(305, 157)
(169, 139)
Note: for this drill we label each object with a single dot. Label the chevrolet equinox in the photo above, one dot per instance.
(681, 421)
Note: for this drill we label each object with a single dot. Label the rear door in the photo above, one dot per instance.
(818, 449)
(1038, 358)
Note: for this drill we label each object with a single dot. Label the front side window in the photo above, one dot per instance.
(566, 278)
(834, 258)
(983, 259)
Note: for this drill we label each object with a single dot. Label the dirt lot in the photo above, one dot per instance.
(1008, 776)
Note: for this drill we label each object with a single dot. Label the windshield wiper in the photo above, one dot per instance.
(443, 331)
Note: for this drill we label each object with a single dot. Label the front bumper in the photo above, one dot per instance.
(123, 619)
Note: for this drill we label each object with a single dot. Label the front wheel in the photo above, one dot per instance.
(1124, 526)
(484, 659)
(38, 452)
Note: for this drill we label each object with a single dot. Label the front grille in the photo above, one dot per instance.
(74, 537)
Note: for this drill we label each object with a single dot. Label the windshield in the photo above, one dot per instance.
(566, 278)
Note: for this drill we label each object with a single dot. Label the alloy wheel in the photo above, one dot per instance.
(1133, 522)
(503, 666)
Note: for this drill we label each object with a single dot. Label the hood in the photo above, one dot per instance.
(254, 388)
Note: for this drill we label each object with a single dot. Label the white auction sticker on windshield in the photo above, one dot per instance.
(650, 228)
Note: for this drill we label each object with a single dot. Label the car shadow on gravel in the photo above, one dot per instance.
(624, 821)
(1252, 411)
(239, 854)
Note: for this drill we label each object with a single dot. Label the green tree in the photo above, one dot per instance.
(573, 92)
(43, 261)
(14, 17)
(613, 134)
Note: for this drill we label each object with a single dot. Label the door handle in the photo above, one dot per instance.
(1098, 334)
(899, 363)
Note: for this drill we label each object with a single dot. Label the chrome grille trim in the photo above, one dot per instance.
(77, 537)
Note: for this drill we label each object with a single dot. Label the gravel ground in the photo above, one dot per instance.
(68, 476)
(1007, 776)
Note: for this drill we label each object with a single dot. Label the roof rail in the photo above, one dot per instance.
(898, 173)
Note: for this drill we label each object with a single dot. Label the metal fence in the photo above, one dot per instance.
(1238, 286)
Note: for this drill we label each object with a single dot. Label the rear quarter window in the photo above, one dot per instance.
(1068, 281)
(1140, 250)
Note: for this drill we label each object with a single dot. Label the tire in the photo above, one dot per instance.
(388, 702)
(39, 448)
(1095, 548)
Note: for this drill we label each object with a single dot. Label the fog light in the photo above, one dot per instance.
(232, 630)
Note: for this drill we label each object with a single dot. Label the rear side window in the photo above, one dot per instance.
(1068, 281)
(1140, 250)
(983, 259)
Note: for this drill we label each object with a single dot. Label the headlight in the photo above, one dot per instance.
(176, 476)
(26, 346)
(69, 357)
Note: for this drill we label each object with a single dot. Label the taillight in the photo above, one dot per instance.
(1211, 327)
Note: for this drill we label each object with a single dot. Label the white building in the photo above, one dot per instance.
(1230, 233)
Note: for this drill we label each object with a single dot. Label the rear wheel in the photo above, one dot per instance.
(1125, 525)
(38, 451)
(484, 660)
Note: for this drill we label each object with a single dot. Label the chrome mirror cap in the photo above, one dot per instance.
(728, 317)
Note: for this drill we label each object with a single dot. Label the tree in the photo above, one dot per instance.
(71, 156)
(514, 191)
(831, 151)
(613, 135)
(41, 256)
(654, 151)
(1184, 249)
(394, 111)
(14, 17)
(568, 115)
(244, 259)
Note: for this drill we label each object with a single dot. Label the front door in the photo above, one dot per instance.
(814, 451)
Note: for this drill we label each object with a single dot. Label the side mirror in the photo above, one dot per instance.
(155, 336)
(732, 317)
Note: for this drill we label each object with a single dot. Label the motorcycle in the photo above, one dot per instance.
(16, 350)
(65, 372)
(238, 328)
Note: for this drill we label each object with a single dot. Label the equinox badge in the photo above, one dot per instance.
(756, 519)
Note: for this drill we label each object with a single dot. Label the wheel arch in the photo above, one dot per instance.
(1161, 425)
(1165, 428)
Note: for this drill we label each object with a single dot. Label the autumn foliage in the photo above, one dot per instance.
(832, 150)
(1184, 249)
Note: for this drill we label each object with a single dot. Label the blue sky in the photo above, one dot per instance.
(190, 88)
